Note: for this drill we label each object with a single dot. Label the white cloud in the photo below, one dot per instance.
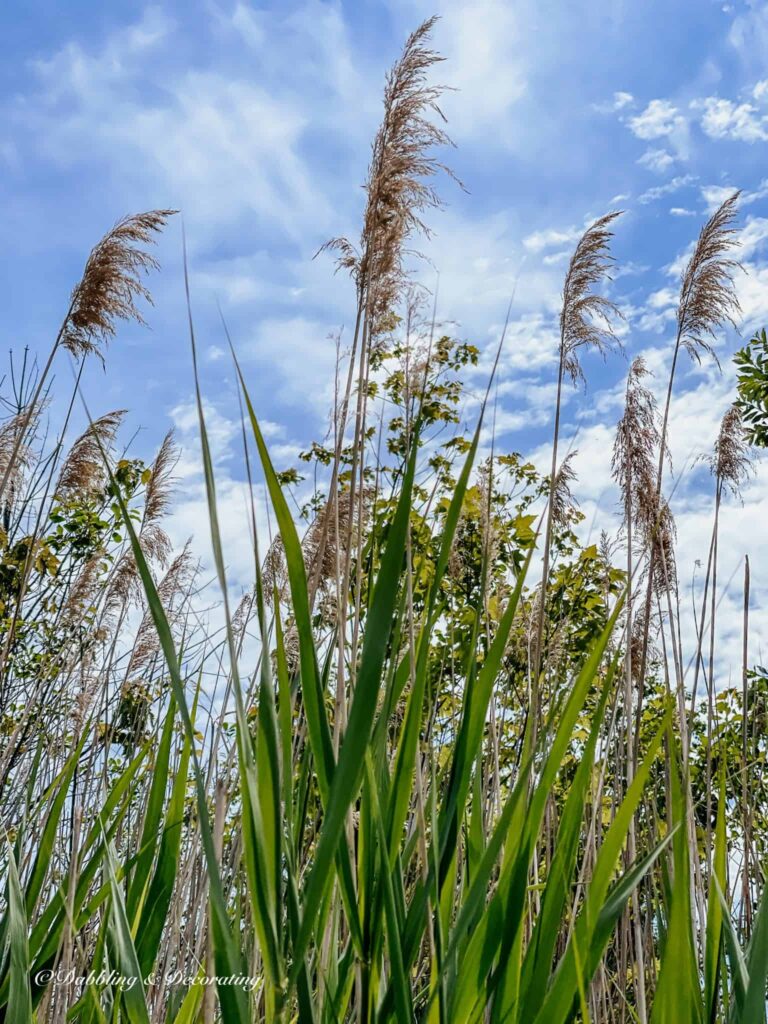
(695, 415)
(662, 298)
(674, 185)
(660, 119)
(619, 101)
(220, 142)
(622, 99)
(715, 195)
(752, 236)
(221, 433)
(555, 258)
(490, 62)
(217, 147)
(481, 265)
(681, 211)
(658, 311)
(677, 267)
(723, 119)
(72, 71)
(234, 498)
(250, 23)
(657, 160)
(551, 237)
(301, 354)
(752, 289)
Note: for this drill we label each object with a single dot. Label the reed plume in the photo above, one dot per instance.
(324, 546)
(585, 322)
(708, 299)
(83, 470)
(157, 501)
(563, 500)
(398, 191)
(15, 457)
(731, 462)
(111, 283)
(84, 591)
(106, 293)
(398, 188)
(707, 303)
(173, 588)
(663, 532)
(586, 317)
(636, 445)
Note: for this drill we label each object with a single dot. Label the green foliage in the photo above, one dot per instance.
(752, 387)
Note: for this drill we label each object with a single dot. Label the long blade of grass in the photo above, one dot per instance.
(131, 994)
(349, 770)
(714, 948)
(20, 996)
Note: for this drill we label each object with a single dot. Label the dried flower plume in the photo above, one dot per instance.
(586, 317)
(172, 590)
(324, 547)
(15, 457)
(635, 449)
(111, 283)
(563, 501)
(708, 298)
(157, 501)
(731, 461)
(397, 188)
(84, 471)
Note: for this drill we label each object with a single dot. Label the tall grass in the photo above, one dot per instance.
(406, 778)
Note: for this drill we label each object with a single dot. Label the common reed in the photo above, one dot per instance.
(404, 780)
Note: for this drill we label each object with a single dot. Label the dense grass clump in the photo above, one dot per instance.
(445, 762)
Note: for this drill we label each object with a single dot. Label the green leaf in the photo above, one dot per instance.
(124, 952)
(20, 996)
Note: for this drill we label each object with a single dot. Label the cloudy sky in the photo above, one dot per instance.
(254, 119)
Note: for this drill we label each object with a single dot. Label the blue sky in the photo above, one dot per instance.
(255, 120)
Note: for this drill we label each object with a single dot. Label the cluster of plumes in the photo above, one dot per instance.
(14, 457)
(83, 632)
(243, 615)
(173, 590)
(84, 470)
(88, 692)
(563, 500)
(638, 641)
(461, 560)
(586, 317)
(635, 450)
(731, 461)
(398, 186)
(111, 283)
(325, 547)
(157, 502)
(663, 535)
(488, 531)
(125, 585)
(523, 643)
(83, 591)
(634, 468)
(708, 299)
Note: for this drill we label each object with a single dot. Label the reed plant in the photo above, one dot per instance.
(444, 761)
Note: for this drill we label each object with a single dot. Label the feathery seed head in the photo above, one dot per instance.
(731, 460)
(84, 470)
(585, 317)
(111, 283)
(398, 189)
(708, 299)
